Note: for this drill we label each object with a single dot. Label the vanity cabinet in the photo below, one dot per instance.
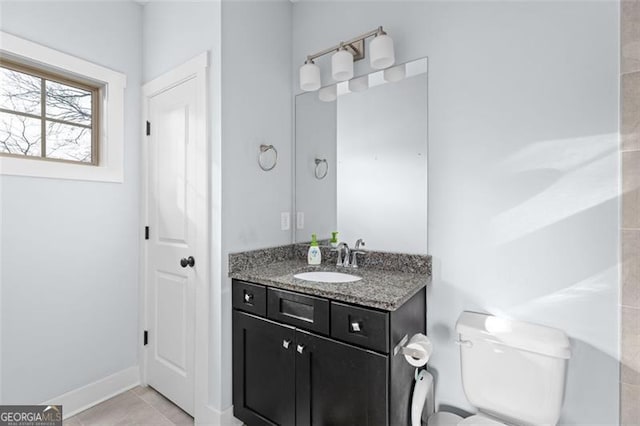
(339, 384)
(264, 376)
(307, 360)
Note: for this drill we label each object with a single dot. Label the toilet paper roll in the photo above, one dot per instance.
(423, 348)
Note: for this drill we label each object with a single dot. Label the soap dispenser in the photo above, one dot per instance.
(334, 239)
(314, 257)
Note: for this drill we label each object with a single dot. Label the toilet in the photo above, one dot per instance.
(513, 372)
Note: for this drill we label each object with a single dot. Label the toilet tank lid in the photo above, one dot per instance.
(516, 334)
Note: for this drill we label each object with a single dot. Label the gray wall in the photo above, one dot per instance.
(70, 248)
(257, 108)
(174, 32)
(523, 170)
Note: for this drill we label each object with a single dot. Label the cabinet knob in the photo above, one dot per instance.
(355, 327)
(248, 297)
(286, 343)
(300, 349)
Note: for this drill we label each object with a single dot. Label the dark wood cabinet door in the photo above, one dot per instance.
(263, 371)
(339, 384)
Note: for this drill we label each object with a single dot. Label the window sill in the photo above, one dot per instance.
(59, 170)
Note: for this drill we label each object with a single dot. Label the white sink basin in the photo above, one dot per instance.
(327, 277)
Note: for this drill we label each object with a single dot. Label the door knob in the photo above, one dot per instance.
(189, 261)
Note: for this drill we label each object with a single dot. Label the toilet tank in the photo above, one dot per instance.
(513, 370)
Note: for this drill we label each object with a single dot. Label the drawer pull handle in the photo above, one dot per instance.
(286, 343)
(355, 327)
(248, 297)
(300, 349)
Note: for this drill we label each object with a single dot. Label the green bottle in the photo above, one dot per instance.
(334, 239)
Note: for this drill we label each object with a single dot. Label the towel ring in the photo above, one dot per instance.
(317, 172)
(261, 157)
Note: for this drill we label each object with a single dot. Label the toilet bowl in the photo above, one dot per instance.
(443, 418)
(513, 372)
(479, 419)
(449, 419)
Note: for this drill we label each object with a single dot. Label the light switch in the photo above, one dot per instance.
(285, 221)
(300, 220)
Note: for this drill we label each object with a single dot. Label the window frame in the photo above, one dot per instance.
(45, 76)
(110, 135)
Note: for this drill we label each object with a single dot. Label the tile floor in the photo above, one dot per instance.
(138, 406)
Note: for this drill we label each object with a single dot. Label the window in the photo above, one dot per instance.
(47, 116)
(61, 116)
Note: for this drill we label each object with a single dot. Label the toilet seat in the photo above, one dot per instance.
(479, 419)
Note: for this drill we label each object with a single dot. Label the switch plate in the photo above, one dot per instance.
(300, 220)
(285, 221)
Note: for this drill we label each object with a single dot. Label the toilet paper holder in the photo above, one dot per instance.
(401, 348)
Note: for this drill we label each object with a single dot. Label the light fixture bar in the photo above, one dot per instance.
(356, 44)
(346, 53)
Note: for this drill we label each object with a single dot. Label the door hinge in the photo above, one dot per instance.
(148, 128)
(146, 337)
(146, 232)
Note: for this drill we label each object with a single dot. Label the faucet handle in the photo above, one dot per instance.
(343, 247)
(354, 257)
(359, 243)
(338, 250)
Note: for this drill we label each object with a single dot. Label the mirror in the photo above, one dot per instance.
(361, 160)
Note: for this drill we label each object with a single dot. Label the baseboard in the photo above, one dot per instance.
(213, 417)
(227, 418)
(94, 393)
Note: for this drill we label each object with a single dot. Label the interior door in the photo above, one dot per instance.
(172, 263)
(263, 371)
(339, 384)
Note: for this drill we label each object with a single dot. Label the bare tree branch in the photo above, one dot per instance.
(21, 92)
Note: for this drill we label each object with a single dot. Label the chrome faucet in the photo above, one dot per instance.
(347, 254)
(356, 251)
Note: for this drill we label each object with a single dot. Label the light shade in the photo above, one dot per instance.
(396, 73)
(309, 77)
(381, 53)
(328, 94)
(359, 84)
(342, 65)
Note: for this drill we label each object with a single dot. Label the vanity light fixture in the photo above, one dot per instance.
(359, 84)
(309, 76)
(328, 93)
(346, 53)
(342, 65)
(382, 52)
(396, 73)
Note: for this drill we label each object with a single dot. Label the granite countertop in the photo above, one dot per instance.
(381, 289)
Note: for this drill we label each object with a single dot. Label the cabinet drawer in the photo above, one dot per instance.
(307, 312)
(249, 297)
(360, 326)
